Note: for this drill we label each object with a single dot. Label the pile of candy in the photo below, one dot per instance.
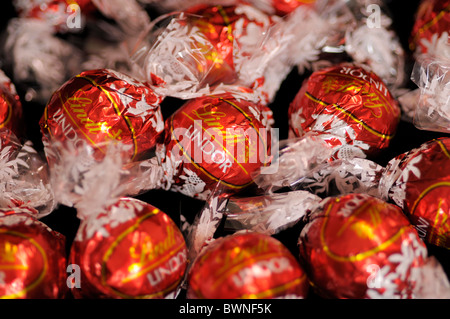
(215, 149)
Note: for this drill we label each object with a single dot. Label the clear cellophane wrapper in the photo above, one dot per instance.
(432, 76)
(129, 15)
(24, 176)
(177, 54)
(39, 60)
(268, 214)
(342, 176)
(432, 281)
(81, 179)
(285, 204)
(294, 159)
(336, 31)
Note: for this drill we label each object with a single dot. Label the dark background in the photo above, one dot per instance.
(64, 219)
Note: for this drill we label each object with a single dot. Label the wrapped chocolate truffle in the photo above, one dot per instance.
(102, 105)
(32, 257)
(357, 246)
(247, 266)
(419, 182)
(350, 102)
(216, 141)
(212, 49)
(87, 115)
(130, 250)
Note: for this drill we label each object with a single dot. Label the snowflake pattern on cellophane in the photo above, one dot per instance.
(23, 178)
(343, 176)
(184, 62)
(102, 223)
(432, 75)
(269, 214)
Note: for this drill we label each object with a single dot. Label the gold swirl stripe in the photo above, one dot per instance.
(426, 191)
(359, 256)
(249, 118)
(114, 245)
(8, 118)
(363, 82)
(116, 242)
(350, 115)
(444, 149)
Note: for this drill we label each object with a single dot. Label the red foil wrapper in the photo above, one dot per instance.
(216, 141)
(10, 106)
(422, 189)
(356, 246)
(283, 7)
(32, 257)
(132, 250)
(432, 25)
(102, 106)
(349, 102)
(249, 266)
